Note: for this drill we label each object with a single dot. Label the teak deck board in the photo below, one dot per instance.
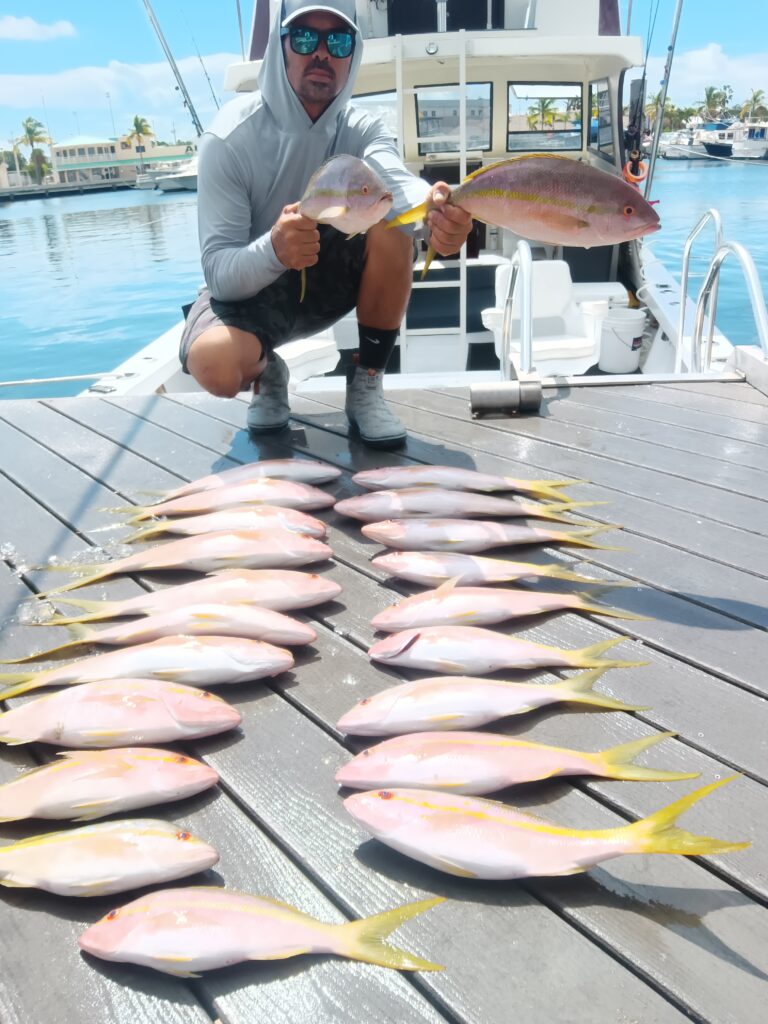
(639, 938)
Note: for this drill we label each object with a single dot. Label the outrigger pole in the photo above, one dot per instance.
(177, 74)
(663, 99)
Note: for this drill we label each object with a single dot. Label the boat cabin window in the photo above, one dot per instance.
(438, 109)
(544, 116)
(407, 17)
(601, 122)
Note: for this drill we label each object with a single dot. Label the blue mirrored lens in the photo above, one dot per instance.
(306, 40)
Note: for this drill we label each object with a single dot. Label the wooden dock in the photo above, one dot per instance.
(684, 469)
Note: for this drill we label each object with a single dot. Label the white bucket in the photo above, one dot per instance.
(594, 314)
(620, 341)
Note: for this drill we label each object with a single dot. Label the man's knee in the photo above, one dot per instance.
(221, 359)
(391, 247)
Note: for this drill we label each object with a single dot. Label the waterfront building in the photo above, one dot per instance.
(86, 159)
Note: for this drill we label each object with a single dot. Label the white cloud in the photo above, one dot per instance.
(29, 30)
(694, 70)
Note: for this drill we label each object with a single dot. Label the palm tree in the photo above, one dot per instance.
(140, 130)
(541, 113)
(713, 101)
(34, 133)
(755, 105)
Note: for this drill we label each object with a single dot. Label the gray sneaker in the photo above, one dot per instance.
(369, 414)
(269, 409)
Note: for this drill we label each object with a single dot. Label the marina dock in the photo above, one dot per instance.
(683, 468)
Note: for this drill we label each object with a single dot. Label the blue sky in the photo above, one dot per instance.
(60, 58)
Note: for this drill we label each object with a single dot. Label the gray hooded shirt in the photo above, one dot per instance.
(258, 156)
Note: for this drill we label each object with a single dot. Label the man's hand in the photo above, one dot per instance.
(295, 239)
(448, 225)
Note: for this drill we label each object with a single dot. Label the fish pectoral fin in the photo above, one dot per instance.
(452, 869)
(448, 586)
(283, 954)
(103, 734)
(564, 221)
(169, 674)
(17, 882)
(451, 666)
(332, 212)
(95, 888)
(445, 718)
(90, 807)
(176, 960)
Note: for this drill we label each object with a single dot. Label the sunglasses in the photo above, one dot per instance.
(338, 42)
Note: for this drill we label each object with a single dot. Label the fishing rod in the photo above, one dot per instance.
(177, 74)
(663, 98)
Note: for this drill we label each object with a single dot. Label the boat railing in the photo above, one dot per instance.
(714, 216)
(708, 296)
(521, 268)
(31, 381)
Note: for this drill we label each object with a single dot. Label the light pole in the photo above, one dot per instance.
(112, 116)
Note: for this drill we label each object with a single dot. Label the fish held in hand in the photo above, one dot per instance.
(84, 785)
(436, 502)
(435, 567)
(475, 763)
(280, 590)
(467, 702)
(118, 713)
(235, 520)
(303, 471)
(552, 199)
(263, 491)
(452, 605)
(98, 860)
(459, 650)
(453, 478)
(257, 549)
(476, 838)
(236, 620)
(184, 931)
(192, 661)
(470, 536)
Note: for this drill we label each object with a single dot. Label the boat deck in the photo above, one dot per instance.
(684, 469)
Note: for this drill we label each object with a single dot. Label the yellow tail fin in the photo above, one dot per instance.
(556, 509)
(364, 940)
(542, 488)
(617, 762)
(584, 604)
(589, 657)
(95, 612)
(82, 636)
(409, 217)
(580, 538)
(556, 572)
(82, 581)
(578, 690)
(147, 531)
(658, 833)
(18, 682)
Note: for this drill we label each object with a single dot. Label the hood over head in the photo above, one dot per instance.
(277, 92)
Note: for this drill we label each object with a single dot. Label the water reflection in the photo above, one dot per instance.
(88, 280)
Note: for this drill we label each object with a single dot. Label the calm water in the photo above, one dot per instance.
(85, 281)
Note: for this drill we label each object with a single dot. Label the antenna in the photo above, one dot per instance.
(182, 87)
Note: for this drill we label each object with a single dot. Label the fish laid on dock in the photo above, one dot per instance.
(452, 605)
(303, 471)
(453, 478)
(551, 199)
(459, 650)
(236, 620)
(90, 784)
(280, 590)
(183, 931)
(98, 860)
(192, 661)
(467, 702)
(122, 712)
(256, 549)
(470, 536)
(263, 491)
(436, 502)
(432, 568)
(475, 763)
(235, 520)
(476, 838)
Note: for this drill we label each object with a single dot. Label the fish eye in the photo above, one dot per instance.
(366, 753)
(112, 915)
(628, 211)
(364, 190)
(365, 700)
(184, 836)
(385, 794)
(180, 759)
(206, 694)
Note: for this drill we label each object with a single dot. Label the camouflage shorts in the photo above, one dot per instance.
(275, 314)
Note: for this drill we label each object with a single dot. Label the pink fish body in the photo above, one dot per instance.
(476, 838)
(474, 763)
(183, 931)
(464, 650)
(278, 589)
(90, 784)
(263, 491)
(450, 605)
(97, 860)
(436, 502)
(467, 535)
(238, 519)
(305, 471)
(466, 702)
(121, 712)
(432, 568)
(193, 661)
(454, 478)
(346, 193)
